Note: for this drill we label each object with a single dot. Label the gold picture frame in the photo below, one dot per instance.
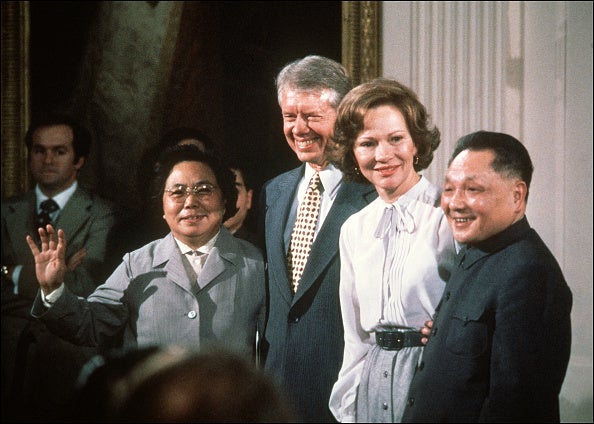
(15, 96)
(361, 47)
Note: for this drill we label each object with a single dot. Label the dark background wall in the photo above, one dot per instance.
(59, 33)
(219, 76)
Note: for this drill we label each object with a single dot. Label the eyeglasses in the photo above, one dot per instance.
(179, 192)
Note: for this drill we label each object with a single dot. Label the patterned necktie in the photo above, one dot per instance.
(43, 218)
(303, 231)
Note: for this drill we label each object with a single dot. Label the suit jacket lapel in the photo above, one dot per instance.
(280, 200)
(212, 268)
(221, 256)
(75, 214)
(167, 253)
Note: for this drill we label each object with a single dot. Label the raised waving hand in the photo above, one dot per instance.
(50, 261)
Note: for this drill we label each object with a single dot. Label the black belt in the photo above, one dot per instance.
(396, 340)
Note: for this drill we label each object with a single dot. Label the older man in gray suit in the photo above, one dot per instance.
(304, 334)
(58, 148)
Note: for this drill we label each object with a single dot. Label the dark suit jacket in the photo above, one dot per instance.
(304, 332)
(501, 337)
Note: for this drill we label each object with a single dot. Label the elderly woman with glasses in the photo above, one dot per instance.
(197, 286)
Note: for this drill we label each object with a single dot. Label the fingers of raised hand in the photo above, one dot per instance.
(49, 239)
(32, 245)
(52, 237)
(44, 236)
(62, 244)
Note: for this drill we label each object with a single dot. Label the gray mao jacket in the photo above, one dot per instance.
(153, 298)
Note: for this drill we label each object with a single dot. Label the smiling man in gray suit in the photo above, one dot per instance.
(304, 334)
(58, 148)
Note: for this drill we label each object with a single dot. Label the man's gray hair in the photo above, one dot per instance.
(314, 73)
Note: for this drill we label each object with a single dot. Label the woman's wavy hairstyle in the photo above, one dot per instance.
(369, 95)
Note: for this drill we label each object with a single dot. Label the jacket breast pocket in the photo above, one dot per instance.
(469, 332)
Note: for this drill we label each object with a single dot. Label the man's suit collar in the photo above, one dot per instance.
(61, 198)
(284, 186)
(330, 177)
(470, 254)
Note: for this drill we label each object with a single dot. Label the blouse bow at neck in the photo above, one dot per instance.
(395, 216)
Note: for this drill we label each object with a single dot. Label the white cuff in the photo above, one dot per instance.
(51, 298)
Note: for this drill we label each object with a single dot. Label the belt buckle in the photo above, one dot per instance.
(398, 340)
(391, 340)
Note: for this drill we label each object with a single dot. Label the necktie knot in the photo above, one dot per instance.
(315, 184)
(47, 207)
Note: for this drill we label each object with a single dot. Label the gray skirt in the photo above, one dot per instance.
(382, 393)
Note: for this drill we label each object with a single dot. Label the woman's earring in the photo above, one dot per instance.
(416, 160)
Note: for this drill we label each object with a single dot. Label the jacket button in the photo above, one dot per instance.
(386, 374)
(410, 402)
(384, 406)
(192, 314)
(294, 320)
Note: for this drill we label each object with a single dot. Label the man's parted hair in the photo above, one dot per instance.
(315, 73)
